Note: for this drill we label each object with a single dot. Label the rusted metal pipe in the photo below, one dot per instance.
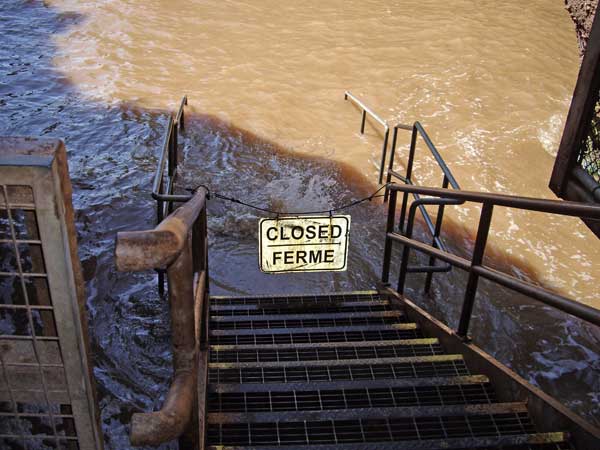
(170, 245)
(181, 298)
(154, 249)
(170, 422)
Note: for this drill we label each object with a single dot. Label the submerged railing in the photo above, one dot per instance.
(448, 180)
(386, 129)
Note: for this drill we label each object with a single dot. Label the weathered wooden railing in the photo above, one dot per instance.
(179, 245)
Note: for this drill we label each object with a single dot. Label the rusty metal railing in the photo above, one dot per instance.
(475, 266)
(179, 246)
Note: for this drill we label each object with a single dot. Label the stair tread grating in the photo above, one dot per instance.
(346, 371)
(297, 299)
(321, 354)
(303, 315)
(320, 400)
(519, 443)
(305, 323)
(258, 310)
(351, 384)
(316, 337)
(338, 373)
(368, 430)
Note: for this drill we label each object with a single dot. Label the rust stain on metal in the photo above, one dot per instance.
(169, 246)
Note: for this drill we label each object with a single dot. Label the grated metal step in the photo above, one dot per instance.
(427, 366)
(316, 315)
(530, 441)
(336, 362)
(411, 412)
(347, 371)
(316, 321)
(326, 351)
(297, 300)
(365, 426)
(326, 307)
(315, 336)
(353, 384)
(324, 329)
(346, 398)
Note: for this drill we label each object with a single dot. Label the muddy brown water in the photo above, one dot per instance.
(267, 122)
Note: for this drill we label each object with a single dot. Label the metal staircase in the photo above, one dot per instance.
(362, 370)
(347, 371)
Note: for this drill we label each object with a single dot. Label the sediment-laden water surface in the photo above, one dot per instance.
(268, 124)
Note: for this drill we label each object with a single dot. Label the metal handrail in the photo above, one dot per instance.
(161, 192)
(169, 153)
(475, 266)
(179, 243)
(417, 129)
(366, 110)
(448, 180)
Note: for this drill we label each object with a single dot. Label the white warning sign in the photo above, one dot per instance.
(303, 244)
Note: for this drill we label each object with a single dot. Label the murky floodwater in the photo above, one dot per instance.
(265, 81)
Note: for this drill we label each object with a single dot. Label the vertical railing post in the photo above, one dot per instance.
(387, 251)
(181, 118)
(406, 248)
(436, 235)
(391, 164)
(181, 299)
(159, 219)
(175, 146)
(171, 164)
(204, 229)
(170, 245)
(383, 153)
(200, 260)
(409, 166)
(483, 229)
(363, 121)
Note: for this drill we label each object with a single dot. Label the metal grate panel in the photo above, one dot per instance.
(316, 308)
(304, 323)
(296, 300)
(321, 354)
(548, 446)
(320, 400)
(314, 338)
(33, 389)
(46, 397)
(368, 430)
(340, 372)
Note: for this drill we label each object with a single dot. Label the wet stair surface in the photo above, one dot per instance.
(347, 371)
